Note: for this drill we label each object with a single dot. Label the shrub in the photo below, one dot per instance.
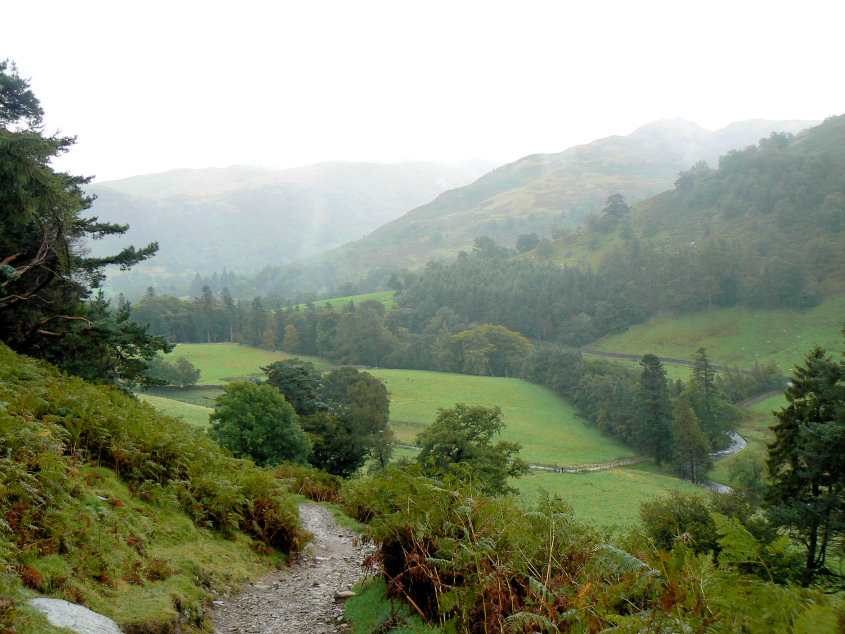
(254, 421)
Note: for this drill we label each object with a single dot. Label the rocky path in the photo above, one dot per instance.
(302, 598)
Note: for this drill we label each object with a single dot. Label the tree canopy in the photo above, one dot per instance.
(460, 441)
(254, 421)
(298, 381)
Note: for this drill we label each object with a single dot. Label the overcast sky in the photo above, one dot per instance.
(151, 86)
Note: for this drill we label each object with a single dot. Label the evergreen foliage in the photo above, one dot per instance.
(654, 431)
(46, 280)
(807, 459)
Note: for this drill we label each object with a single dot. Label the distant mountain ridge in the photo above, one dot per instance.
(244, 218)
(541, 193)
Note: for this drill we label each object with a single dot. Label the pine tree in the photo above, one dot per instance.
(46, 281)
(654, 432)
(703, 382)
(717, 417)
(806, 460)
(690, 443)
(228, 310)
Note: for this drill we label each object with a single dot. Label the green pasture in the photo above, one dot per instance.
(738, 336)
(385, 297)
(194, 414)
(202, 396)
(545, 424)
(224, 362)
(674, 371)
(608, 497)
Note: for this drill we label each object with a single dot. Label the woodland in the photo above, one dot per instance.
(107, 502)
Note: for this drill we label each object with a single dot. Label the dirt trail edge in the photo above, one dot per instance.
(300, 598)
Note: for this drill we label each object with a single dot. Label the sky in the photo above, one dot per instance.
(152, 86)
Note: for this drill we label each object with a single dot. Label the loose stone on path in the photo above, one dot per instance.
(309, 596)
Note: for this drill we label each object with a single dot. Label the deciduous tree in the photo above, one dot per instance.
(462, 437)
(254, 421)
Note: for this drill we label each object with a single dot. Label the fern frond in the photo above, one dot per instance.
(518, 622)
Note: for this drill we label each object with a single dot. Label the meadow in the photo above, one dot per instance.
(547, 426)
(606, 498)
(224, 362)
(738, 336)
(674, 371)
(385, 297)
(196, 415)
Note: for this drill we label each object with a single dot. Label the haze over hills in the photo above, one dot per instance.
(244, 218)
(546, 194)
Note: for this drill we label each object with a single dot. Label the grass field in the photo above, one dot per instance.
(738, 336)
(385, 297)
(608, 497)
(673, 371)
(202, 396)
(194, 414)
(545, 424)
(224, 362)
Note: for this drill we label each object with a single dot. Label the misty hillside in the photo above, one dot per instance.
(244, 218)
(774, 212)
(546, 194)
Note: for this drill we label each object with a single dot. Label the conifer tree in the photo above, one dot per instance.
(654, 414)
(806, 461)
(46, 280)
(228, 309)
(689, 442)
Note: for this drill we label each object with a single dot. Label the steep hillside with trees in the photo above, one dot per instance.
(546, 195)
(768, 221)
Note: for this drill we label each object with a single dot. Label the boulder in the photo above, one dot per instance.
(74, 617)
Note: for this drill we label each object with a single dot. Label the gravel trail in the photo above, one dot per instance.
(300, 598)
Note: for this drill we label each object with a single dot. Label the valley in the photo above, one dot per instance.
(514, 384)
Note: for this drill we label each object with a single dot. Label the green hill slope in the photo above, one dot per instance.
(108, 503)
(737, 336)
(777, 208)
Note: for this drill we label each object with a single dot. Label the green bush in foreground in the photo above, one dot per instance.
(478, 564)
(105, 502)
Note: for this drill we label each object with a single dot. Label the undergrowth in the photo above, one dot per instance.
(108, 503)
(471, 563)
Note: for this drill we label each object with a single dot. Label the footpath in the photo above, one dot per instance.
(308, 596)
